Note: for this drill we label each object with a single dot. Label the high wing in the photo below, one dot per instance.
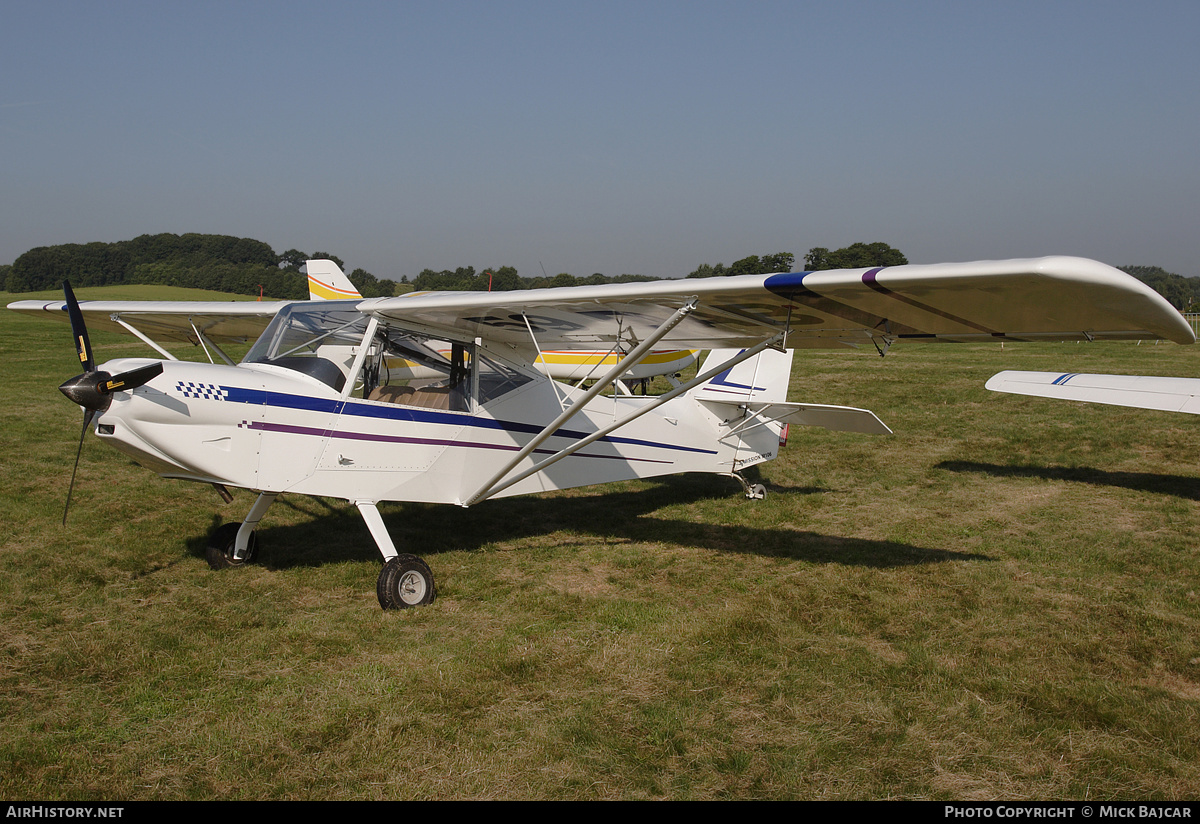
(1053, 298)
(168, 320)
(1164, 394)
(184, 320)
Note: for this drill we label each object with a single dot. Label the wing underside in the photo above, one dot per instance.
(1040, 299)
(219, 321)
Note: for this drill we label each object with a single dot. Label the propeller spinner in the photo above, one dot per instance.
(93, 389)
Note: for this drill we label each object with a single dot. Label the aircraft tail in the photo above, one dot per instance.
(327, 281)
(750, 402)
(762, 378)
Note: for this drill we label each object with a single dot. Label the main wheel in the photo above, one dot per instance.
(405, 581)
(220, 547)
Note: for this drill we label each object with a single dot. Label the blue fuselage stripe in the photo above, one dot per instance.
(259, 397)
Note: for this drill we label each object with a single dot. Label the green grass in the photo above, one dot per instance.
(1000, 601)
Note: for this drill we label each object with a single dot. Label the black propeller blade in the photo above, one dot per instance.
(93, 389)
(88, 414)
(128, 381)
(82, 345)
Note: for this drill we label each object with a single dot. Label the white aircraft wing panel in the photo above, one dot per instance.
(1058, 298)
(1164, 394)
(168, 320)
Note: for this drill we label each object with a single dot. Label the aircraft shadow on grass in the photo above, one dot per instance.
(336, 534)
(1180, 486)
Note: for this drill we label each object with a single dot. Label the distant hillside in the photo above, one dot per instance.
(130, 291)
(217, 262)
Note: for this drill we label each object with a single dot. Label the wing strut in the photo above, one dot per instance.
(636, 356)
(118, 319)
(205, 343)
(492, 487)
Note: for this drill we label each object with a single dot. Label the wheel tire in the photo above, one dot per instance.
(757, 492)
(405, 581)
(220, 547)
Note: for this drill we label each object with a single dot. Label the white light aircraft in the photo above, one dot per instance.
(315, 407)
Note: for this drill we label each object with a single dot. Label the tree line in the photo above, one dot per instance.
(506, 279)
(250, 267)
(1182, 293)
(219, 262)
(854, 256)
(242, 266)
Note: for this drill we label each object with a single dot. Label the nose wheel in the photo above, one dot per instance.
(405, 581)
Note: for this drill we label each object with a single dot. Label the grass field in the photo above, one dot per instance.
(1000, 601)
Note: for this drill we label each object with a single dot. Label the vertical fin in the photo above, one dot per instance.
(326, 281)
(763, 378)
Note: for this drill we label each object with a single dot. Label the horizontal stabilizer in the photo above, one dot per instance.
(1142, 392)
(835, 418)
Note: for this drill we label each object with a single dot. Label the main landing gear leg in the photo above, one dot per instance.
(755, 492)
(405, 580)
(235, 544)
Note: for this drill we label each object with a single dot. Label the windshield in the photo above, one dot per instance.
(318, 339)
(300, 330)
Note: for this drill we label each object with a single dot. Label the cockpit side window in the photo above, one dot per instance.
(414, 370)
(417, 370)
(402, 366)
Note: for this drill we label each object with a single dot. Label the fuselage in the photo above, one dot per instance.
(267, 427)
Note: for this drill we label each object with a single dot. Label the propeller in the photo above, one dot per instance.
(93, 389)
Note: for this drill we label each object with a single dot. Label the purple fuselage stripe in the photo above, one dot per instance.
(370, 436)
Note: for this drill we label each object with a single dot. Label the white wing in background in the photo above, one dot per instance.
(1164, 394)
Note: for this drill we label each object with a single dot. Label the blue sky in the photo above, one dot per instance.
(607, 137)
